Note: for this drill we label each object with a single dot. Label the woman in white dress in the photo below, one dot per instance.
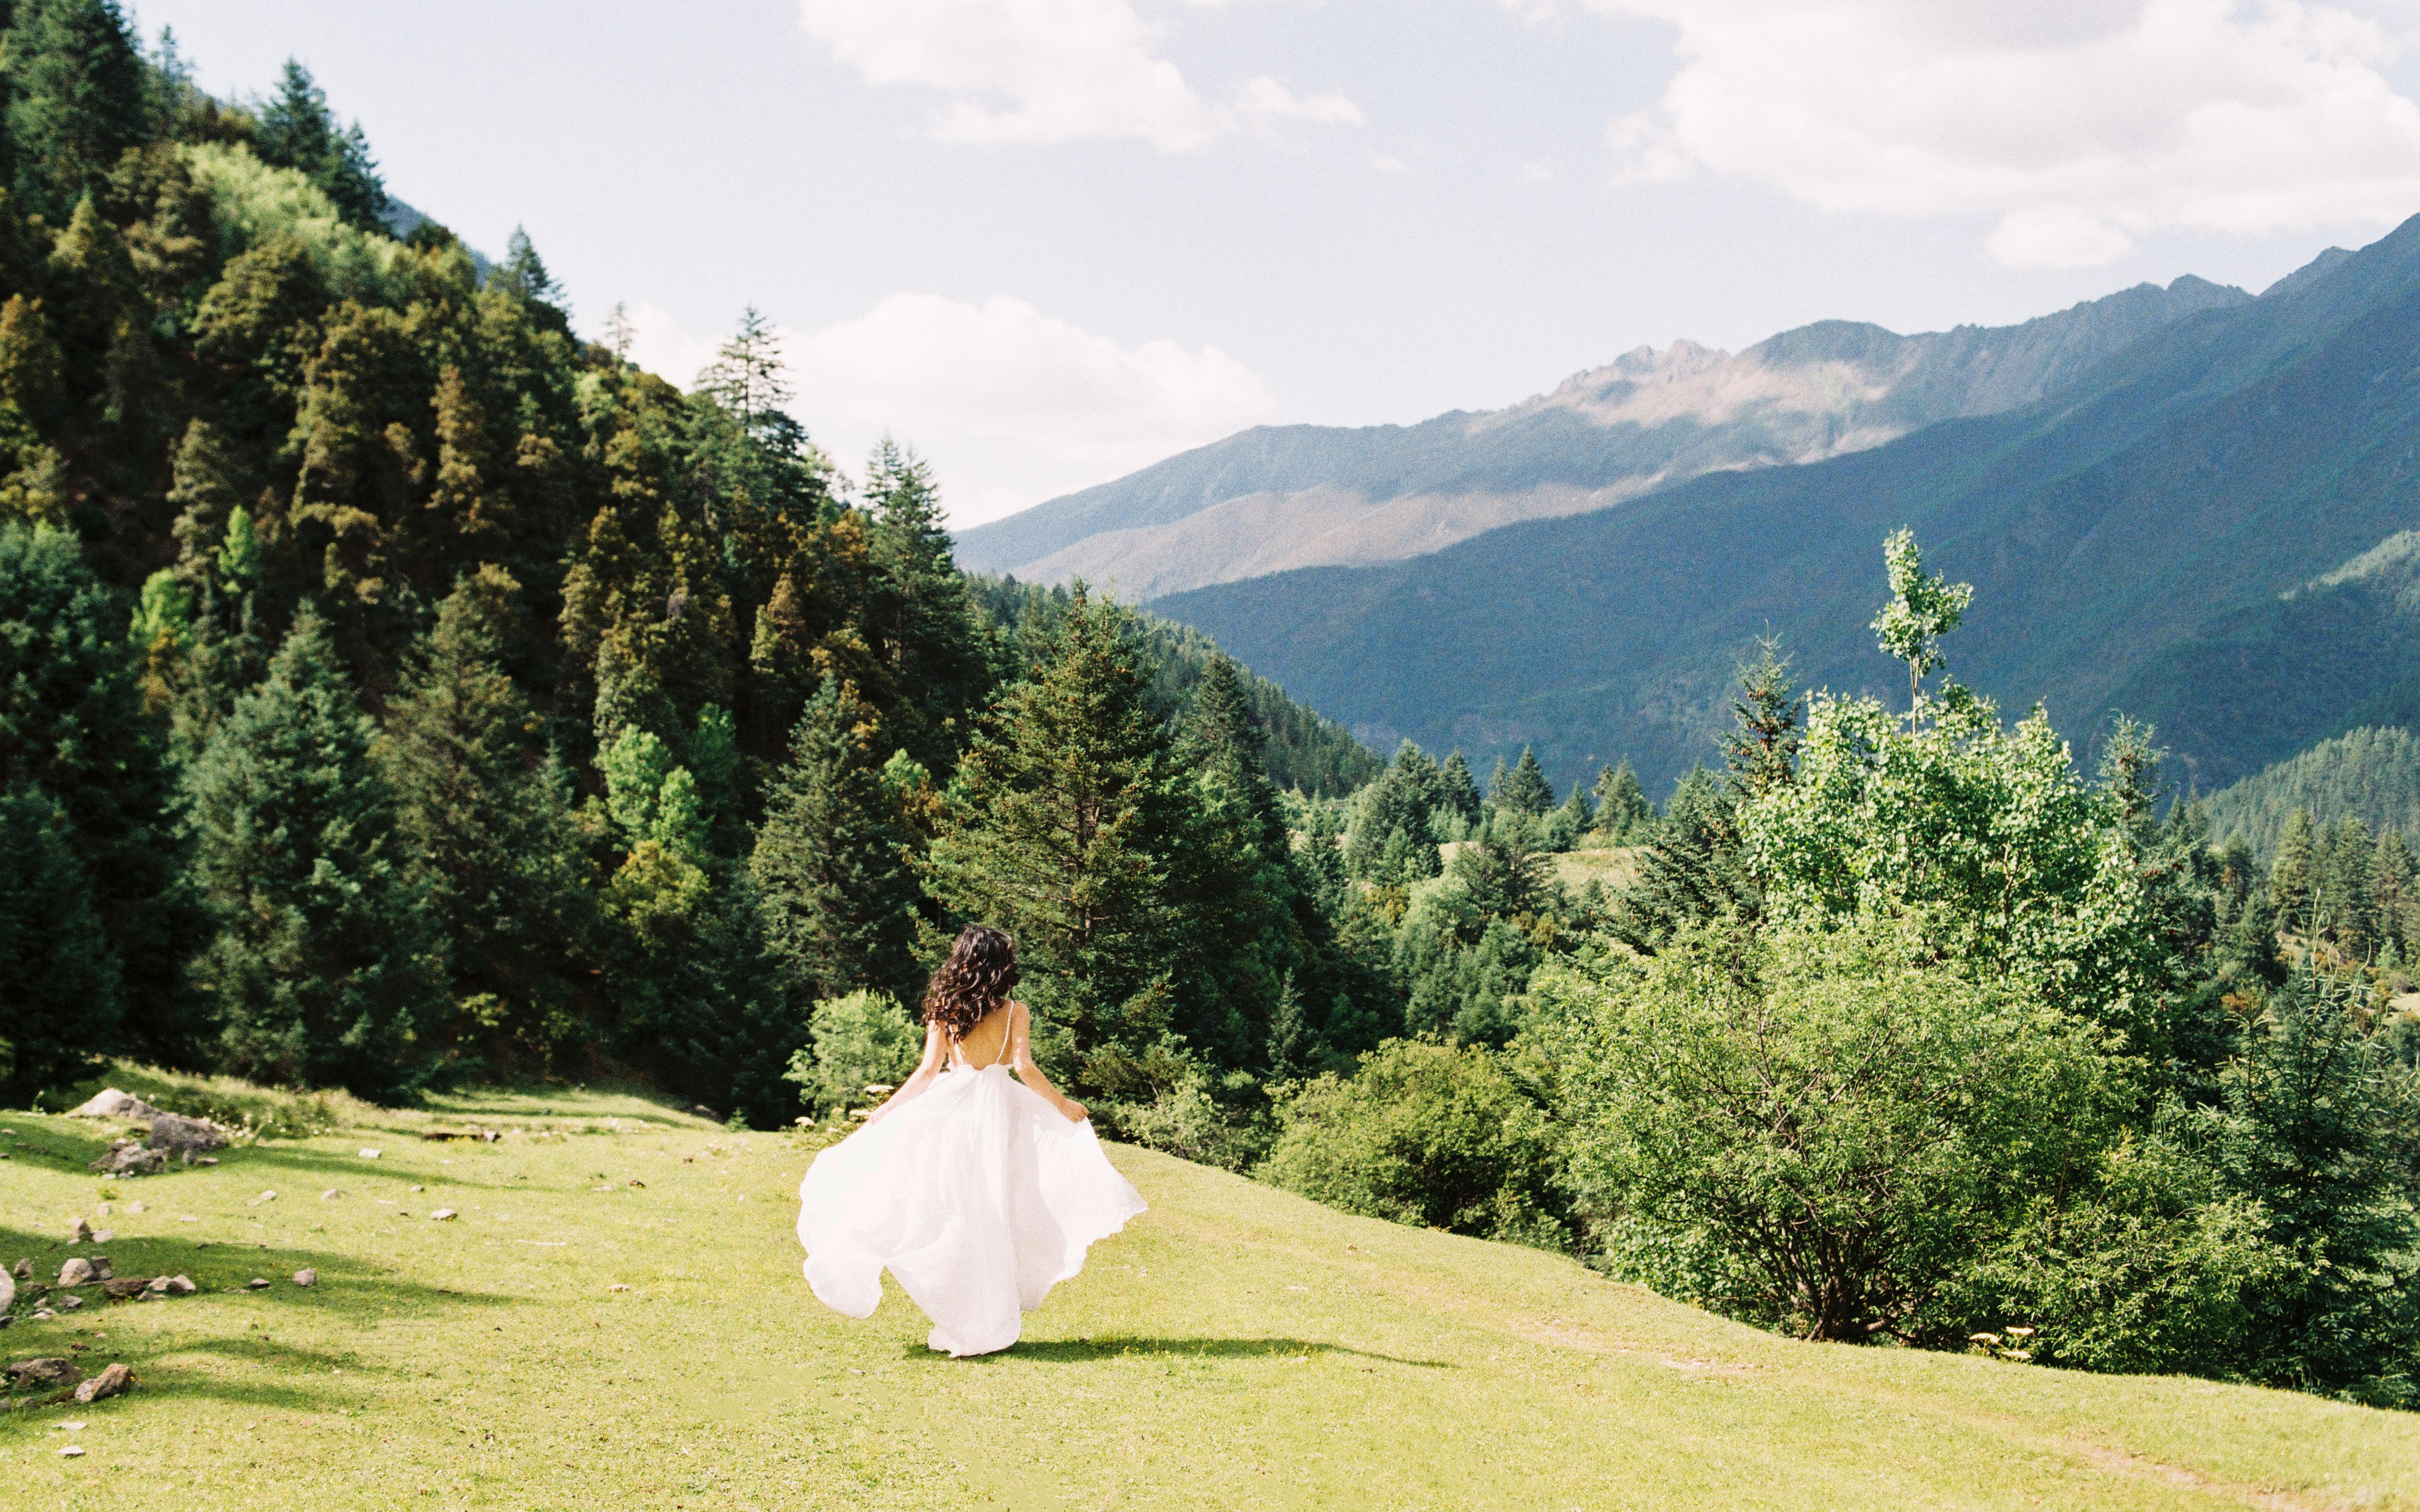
(979, 1194)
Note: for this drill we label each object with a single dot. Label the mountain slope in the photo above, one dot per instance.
(2369, 774)
(2128, 537)
(1276, 498)
(616, 1319)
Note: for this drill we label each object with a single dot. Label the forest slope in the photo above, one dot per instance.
(1275, 498)
(1237, 1346)
(2194, 531)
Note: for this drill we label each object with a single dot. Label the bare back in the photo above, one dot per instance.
(987, 1042)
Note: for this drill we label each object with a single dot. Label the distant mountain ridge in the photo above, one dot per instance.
(1276, 498)
(2195, 528)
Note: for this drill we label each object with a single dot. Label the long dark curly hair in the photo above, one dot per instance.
(976, 978)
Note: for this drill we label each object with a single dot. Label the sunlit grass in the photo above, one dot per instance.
(1235, 1347)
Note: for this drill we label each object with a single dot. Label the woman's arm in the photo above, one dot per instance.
(936, 1050)
(1031, 1074)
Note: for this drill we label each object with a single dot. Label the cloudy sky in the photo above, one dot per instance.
(1047, 242)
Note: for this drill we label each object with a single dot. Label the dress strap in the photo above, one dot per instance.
(1007, 1036)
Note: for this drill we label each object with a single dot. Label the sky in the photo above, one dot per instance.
(1049, 241)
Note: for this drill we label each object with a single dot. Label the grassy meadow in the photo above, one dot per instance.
(615, 1318)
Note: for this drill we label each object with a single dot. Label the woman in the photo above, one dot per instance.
(980, 1195)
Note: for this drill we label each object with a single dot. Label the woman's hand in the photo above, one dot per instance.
(1077, 1112)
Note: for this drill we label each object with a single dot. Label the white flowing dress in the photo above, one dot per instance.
(978, 1195)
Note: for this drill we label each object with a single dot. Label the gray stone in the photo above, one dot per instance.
(127, 1158)
(100, 1264)
(441, 1216)
(81, 1233)
(125, 1289)
(181, 1286)
(108, 1383)
(103, 1236)
(175, 1136)
(22, 1271)
(113, 1104)
(256, 1284)
(55, 1372)
(68, 1302)
(157, 1284)
(8, 1292)
(306, 1277)
(76, 1272)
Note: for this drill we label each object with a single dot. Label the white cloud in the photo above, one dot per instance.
(1012, 406)
(2080, 124)
(1388, 163)
(1030, 71)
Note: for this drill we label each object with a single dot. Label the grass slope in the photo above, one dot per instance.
(1235, 1347)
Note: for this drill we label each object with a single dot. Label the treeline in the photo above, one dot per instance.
(396, 688)
(1907, 1032)
(2372, 773)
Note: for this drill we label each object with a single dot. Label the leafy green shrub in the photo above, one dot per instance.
(1422, 1133)
(862, 1039)
(1825, 1128)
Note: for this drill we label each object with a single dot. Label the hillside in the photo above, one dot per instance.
(2369, 773)
(2131, 538)
(616, 1319)
(1275, 498)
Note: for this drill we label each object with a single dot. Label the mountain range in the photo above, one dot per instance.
(1275, 498)
(2186, 504)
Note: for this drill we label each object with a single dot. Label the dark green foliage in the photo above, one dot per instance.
(1623, 815)
(936, 660)
(73, 727)
(832, 860)
(1305, 751)
(493, 848)
(1458, 790)
(296, 130)
(77, 98)
(1423, 1135)
(320, 968)
(1062, 828)
(1693, 873)
(64, 998)
(1523, 789)
(2369, 774)
(2319, 1128)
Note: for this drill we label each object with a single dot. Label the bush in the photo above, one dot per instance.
(1422, 1133)
(1826, 1127)
(863, 1039)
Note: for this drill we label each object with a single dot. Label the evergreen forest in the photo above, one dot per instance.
(398, 691)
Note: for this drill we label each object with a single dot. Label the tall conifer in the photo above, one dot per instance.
(319, 966)
(488, 831)
(830, 862)
(1063, 829)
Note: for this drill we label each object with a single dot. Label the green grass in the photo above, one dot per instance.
(1237, 1347)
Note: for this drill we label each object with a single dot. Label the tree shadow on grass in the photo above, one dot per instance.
(1079, 1352)
(349, 1286)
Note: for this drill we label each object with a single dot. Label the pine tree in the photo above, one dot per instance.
(523, 275)
(1458, 789)
(319, 967)
(920, 609)
(76, 97)
(1063, 829)
(65, 998)
(2392, 871)
(1524, 790)
(73, 726)
(494, 851)
(830, 859)
(297, 131)
(1762, 746)
(1622, 811)
(2293, 876)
